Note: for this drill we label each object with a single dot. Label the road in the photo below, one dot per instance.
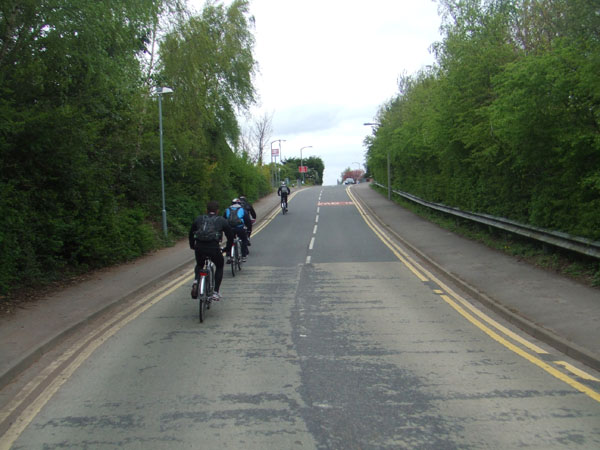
(331, 337)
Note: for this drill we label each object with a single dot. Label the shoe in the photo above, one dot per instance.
(244, 259)
(249, 244)
(228, 260)
(195, 289)
(215, 297)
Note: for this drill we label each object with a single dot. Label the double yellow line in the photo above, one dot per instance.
(482, 321)
(57, 373)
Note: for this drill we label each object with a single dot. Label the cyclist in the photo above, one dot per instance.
(239, 220)
(248, 207)
(207, 246)
(283, 191)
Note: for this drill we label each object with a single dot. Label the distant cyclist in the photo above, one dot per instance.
(283, 192)
(248, 207)
(205, 239)
(239, 220)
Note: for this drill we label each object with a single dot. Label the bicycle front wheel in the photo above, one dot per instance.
(239, 256)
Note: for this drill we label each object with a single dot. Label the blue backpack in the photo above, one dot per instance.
(235, 217)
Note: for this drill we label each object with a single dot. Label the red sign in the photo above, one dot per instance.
(302, 169)
(274, 152)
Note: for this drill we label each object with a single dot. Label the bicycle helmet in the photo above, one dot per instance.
(236, 201)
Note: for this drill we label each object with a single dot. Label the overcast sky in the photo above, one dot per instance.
(326, 66)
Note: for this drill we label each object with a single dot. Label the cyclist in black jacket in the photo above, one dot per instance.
(210, 248)
(248, 207)
(283, 191)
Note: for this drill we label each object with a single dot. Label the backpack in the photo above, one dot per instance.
(207, 230)
(235, 216)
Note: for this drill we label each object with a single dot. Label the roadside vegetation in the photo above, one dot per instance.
(507, 122)
(313, 175)
(583, 269)
(80, 172)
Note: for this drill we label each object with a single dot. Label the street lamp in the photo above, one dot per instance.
(280, 141)
(389, 176)
(302, 165)
(272, 142)
(160, 91)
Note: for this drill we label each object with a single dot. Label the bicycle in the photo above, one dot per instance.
(284, 206)
(236, 255)
(206, 287)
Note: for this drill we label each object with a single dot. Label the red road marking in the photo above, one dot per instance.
(335, 203)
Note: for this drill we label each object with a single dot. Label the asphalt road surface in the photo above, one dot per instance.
(328, 338)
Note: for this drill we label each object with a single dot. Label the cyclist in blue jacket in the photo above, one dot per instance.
(239, 220)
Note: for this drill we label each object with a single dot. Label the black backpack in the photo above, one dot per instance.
(207, 230)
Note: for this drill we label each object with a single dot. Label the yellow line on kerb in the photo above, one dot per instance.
(580, 373)
(459, 304)
(386, 240)
(531, 358)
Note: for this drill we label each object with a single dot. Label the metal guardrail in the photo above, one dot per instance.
(555, 238)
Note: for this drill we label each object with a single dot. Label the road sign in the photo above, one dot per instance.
(302, 169)
(274, 152)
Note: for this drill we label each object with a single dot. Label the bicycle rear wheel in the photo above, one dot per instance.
(202, 299)
(234, 257)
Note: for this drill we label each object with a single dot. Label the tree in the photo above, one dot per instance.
(69, 76)
(79, 160)
(261, 132)
(506, 122)
(355, 174)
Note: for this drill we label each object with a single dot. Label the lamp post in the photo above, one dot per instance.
(272, 142)
(160, 91)
(389, 176)
(301, 164)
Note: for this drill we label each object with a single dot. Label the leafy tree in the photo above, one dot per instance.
(315, 167)
(209, 64)
(68, 77)
(79, 160)
(506, 123)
